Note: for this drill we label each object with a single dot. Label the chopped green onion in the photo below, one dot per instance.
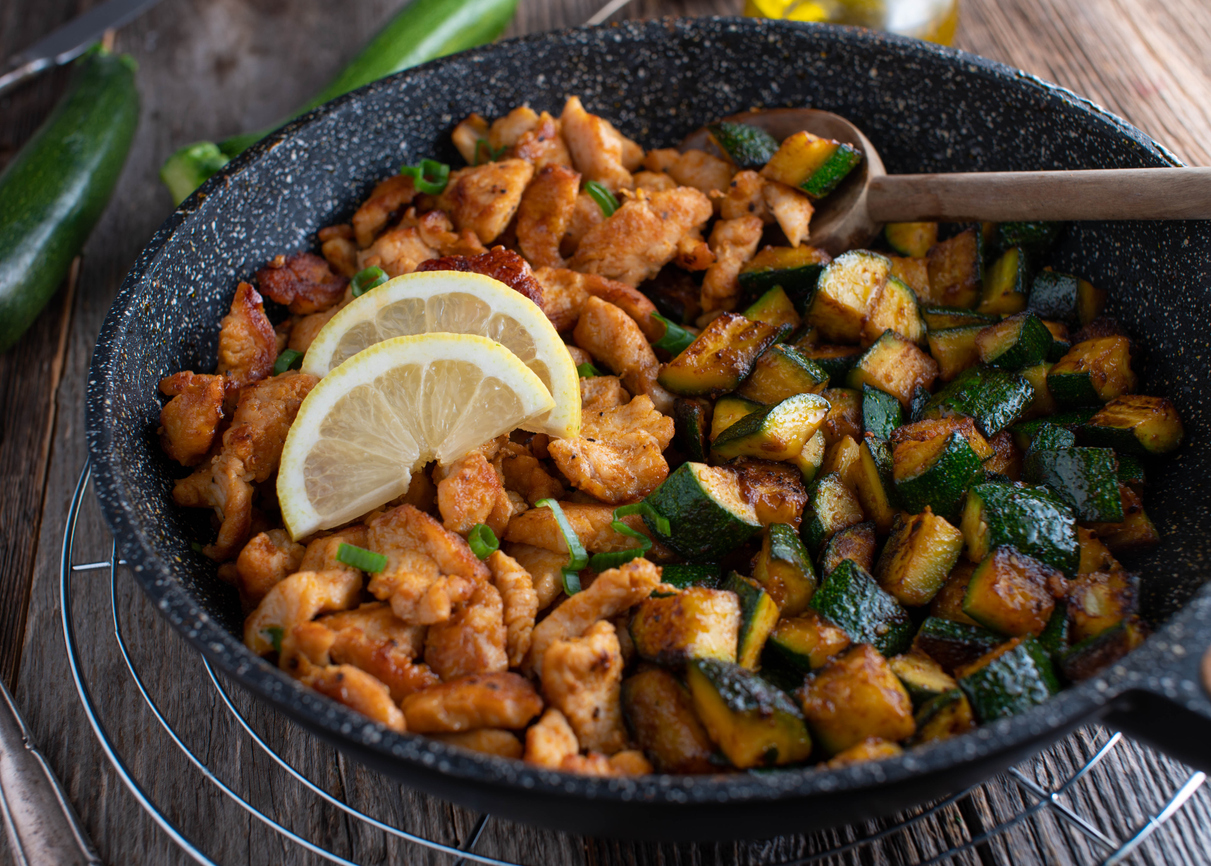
(645, 508)
(587, 370)
(675, 338)
(359, 557)
(290, 359)
(367, 280)
(275, 634)
(482, 541)
(493, 153)
(429, 177)
(604, 198)
(577, 557)
(615, 558)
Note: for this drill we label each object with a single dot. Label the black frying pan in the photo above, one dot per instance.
(926, 109)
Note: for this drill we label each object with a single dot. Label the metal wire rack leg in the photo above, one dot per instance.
(1115, 852)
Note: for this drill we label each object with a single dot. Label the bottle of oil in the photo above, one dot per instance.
(932, 20)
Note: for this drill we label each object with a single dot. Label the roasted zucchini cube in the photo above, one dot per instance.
(1085, 478)
(811, 458)
(1049, 437)
(911, 239)
(1095, 556)
(1005, 461)
(719, 358)
(852, 599)
(948, 603)
(1014, 343)
(706, 509)
(683, 575)
(831, 507)
(690, 415)
(954, 644)
(729, 410)
(935, 473)
(774, 489)
(881, 412)
(918, 557)
(1100, 601)
(1006, 284)
(945, 716)
(1094, 654)
(874, 483)
(836, 361)
(854, 697)
(780, 373)
(1031, 520)
(944, 318)
(993, 398)
(913, 272)
(1024, 432)
(1055, 295)
(955, 349)
(752, 722)
(800, 644)
(696, 623)
(844, 414)
(846, 293)
(1057, 634)
(660, 714)
(758, 613)
(923, 678)
(778, 432)
(895, 365)
(895, 309)
(1093, 372)
(1135, 424)
(956, 270)
(795, 269)
(1012, 593)
(1035, 238)
(784, 567)
(1042, 403)
(813, 164)
(854, 542)
(1136, 532)
(774, 308)
(1009, 680)
(871, 749)
(747, 146)
(842, 458)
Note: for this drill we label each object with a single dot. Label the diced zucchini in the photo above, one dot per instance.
(1012, 593)
(836, 361)
(845, 294)
(844, 415)
(1005, 461)
(729, 410)
(1135, 424)
(881, 412)
(1094, 654)
(920, 399)
(850, 598)
(1019, 341)
(918, 557)
(943, 318)
(1055, 635)
(1030, 519)
(993, 398)
(854, 697)
(1006, 284)
(945, 716)
(780, 373)
(911, 239)
(748, 147)
(1085, 478)
(831, 507)
(1095, 556)
(1135, 533)
(1042, 402)
(813, 164)
(895, 365)
(1025, 431)
(1009, 680)
(774, 489)
(895, 309)
(774, 308)
(1035, 238)
(842, 458)
(719, 358)
(956, 270)
(800, 644)
(696, 623)
(935, 473)
(954, 644)
(1090, 302)
(690, 417)
(683, 575)
(1054, 295)
(776, 433)
(874, 483)
(660, 714)
(932, 428)
(1130, 470)
(752, 722)
(1093, 372)
(948, 603)
(913, 272)
(923, 678)
(707, 513)
(784, 567)
(795, 269)
(955, 349)
(1101, 600)
(758, 613)
(855, 542)
(1060, 344)
(870, 749)
(811, 458)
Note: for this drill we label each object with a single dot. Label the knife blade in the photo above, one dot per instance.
(72, 39)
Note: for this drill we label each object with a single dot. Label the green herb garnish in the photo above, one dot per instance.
(428, 177)
(615, 558)
(359, 557)
(604, 198)
(482, 541)
(275, 634)
(367, 280)
(290, 359)
(577, 557)
(675, 338)
(492, 153)
(587, 370)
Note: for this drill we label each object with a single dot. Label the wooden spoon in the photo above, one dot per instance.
(855, 212)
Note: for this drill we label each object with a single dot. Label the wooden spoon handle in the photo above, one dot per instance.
(1112, 194)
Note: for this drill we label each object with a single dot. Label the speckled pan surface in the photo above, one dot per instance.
(925, 109)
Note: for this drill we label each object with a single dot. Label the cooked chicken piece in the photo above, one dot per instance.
(626, 645)
(550, 740)
(266, 560)
(614, 339)
(374, 639)
(660, 159)
(619, 455)
(248, 345)
(388, 197)
(299, 598)
(693, 253)
(598, 393)
(733, 242)
(582, 678)
(563, 295)
(791, 208)
(612, 592)
(702, 171)
(578, 355)
(301, 281)
(543, 145)
(467, 137)
(190, 419)
(505, 131)
(472, 640)
(397, 252)
(641, 237)
(629, 763)
(504, 700)
(516, 589)
(628, 299)
(305, 329)
(224, 484)
(437, 232)
(305, 645)
(590, 521)
(472, 493)
(321, 553)
(335, 232)
(545, 213)
(483, 198)
(499, 264)
(654, 181)
(585, 216)
(599, 151)
(359, 691)
(524, 473)
(489, 741)
(545, 568)
(745, 197)
(262, 418)
(341, 255)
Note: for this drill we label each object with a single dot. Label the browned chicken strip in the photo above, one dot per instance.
(599, 151)
(301, 281)
(189, 421)
(613, 338)
(262, 419)
(266, 560)
(733, 242)
(389, 196)
(504, 700)
(545, 213)
(224, 484)
(472, 641)
(582, 678)
(543, 145)
(484, 198)
(497, 263)
(248, 345)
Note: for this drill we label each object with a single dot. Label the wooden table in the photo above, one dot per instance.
(209, 68)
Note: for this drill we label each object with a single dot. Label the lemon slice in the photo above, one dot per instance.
(390, 409)
(457, 303)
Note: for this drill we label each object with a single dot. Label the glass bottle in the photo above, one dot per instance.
(932, 20)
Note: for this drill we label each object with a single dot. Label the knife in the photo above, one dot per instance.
(72, 39)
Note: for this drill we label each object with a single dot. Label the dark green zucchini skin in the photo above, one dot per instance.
(1085, 478)
(1035, 238)
(954, 644)
(53, 192)
(691, 428)
(1032, 520)
(862, 609)
(993, 398)
(1024, 432)
(749, 147)
(1011, 683)
(686, 574)
(881, 412)
(1053, 296)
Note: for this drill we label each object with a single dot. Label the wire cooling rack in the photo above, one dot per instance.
(1040, 799)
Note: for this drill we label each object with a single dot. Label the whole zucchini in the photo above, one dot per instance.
(53, 192)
